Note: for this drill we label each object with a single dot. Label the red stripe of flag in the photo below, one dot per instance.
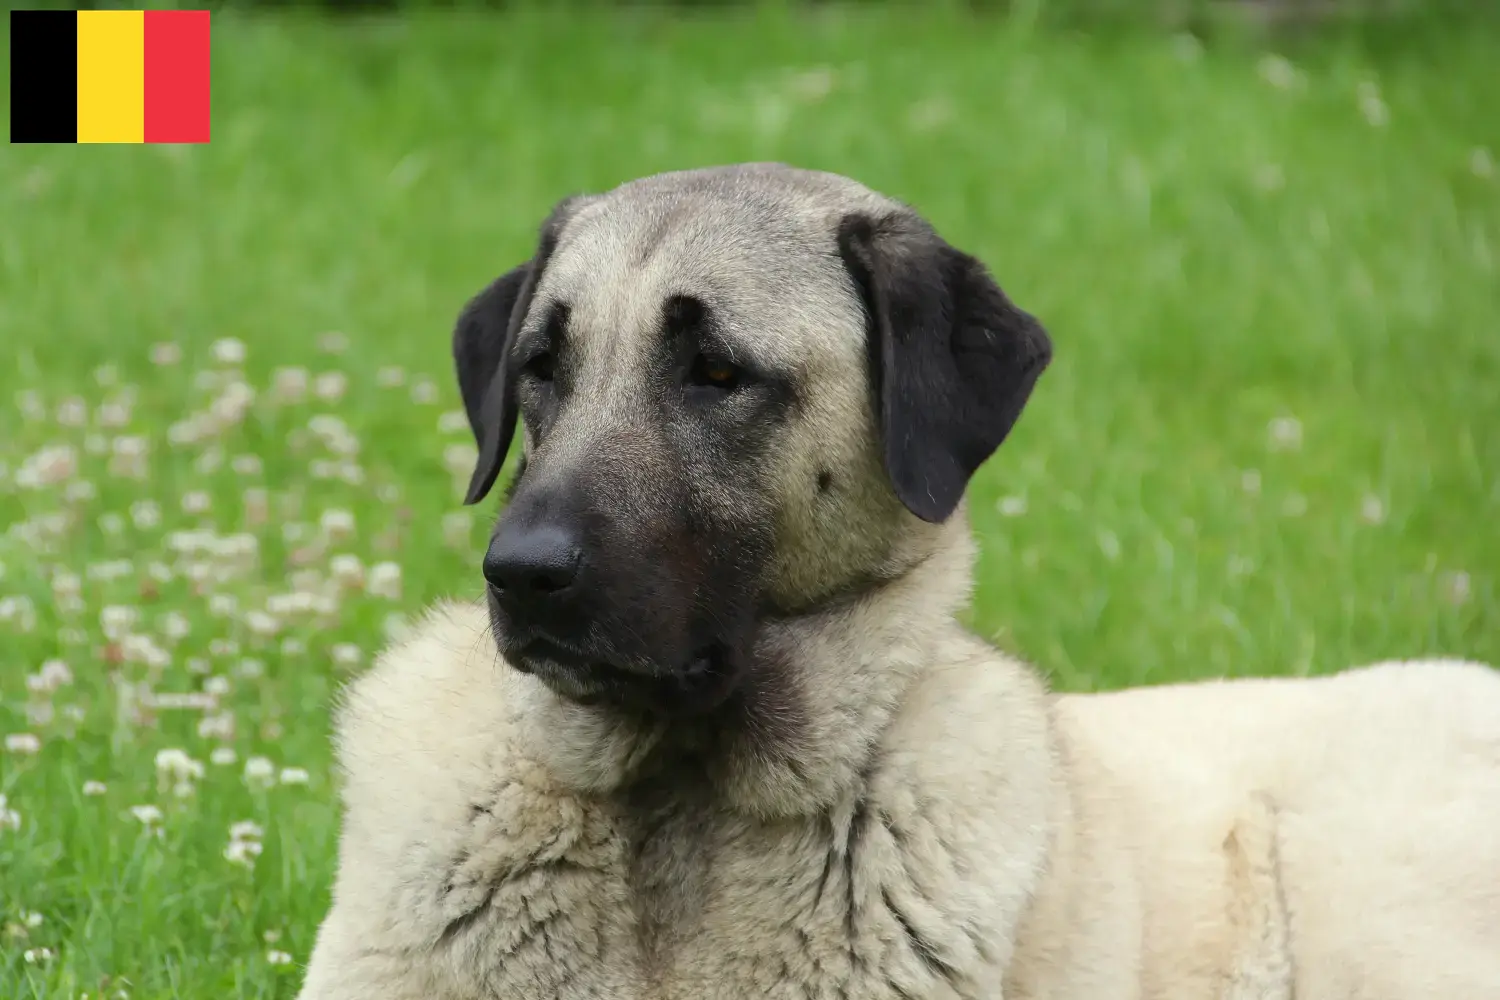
(177, 76)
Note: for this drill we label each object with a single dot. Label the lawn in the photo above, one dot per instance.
(230, 458)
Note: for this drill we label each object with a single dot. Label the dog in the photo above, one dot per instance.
(714, 731)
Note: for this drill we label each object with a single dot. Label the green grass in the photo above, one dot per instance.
(1212, 253)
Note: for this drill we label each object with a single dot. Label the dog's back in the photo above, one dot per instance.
(1329, 837)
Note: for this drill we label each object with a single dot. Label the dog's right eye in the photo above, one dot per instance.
(710, 372)
(540, 367)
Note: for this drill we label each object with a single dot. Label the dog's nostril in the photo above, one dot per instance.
(532, 562)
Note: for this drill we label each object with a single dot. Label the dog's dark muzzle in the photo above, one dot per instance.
(591, 636)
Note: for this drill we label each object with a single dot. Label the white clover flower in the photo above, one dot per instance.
(347, 570)
(246, 829)
(219, 726)
(196, 502)
(52, 675)
(424, 391)
(346, 655)
(165, 353)
(231, 405)
(117, 619)
(229, 351)
(189, 430)
(23, 743)
(257, 504)
(1278, 72)
(261, 623)
(114, 413)
(175, 626)
(390, 377)
(223, 756)
(1481, 162)
(1372, 105)
(294, 776)
(458, 526)
(384, 580)
(145, 514)
(47, 467)
(37, 956)
(147, 815)
(113, 569)
(333, 342)
(1372, 509)
(274, 957)
(94, 788)
(337, 525)
(242, 852)
(290, 385)
(260, 772)
(9, 818)
(459, 459)
(247, 465)
(80, 491)
(330, 386)
(1011, 506)
(209, 461)
(176, 764)
(453, 422)
(72, 412)
(1285, 434)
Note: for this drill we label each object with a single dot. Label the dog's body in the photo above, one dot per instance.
(763, 758)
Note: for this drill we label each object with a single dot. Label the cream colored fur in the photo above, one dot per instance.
(926, 821)
(948, 829)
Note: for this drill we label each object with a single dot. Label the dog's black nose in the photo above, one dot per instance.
(531, 562)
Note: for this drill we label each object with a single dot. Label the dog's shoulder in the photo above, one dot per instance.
(458, 834)
(432, 707)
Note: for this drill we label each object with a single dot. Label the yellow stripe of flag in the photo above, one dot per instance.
(111, 76)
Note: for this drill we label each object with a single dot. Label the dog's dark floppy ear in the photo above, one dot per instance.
(481, 345)
(952, 359)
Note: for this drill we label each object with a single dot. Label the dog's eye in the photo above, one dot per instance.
(714, 373)
(541, 367)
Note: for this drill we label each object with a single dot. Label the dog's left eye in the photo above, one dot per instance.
(710, 372)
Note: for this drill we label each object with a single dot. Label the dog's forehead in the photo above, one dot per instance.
(756, 242)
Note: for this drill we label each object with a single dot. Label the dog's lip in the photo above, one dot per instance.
(539, 647)
(589, 679)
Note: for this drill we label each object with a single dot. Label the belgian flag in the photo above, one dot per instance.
(109, 76)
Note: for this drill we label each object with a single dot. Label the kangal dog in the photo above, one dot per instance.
(714, 731)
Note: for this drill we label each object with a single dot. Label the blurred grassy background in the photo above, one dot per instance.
(1270, 442)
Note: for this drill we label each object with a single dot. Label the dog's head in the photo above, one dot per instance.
(745, 391)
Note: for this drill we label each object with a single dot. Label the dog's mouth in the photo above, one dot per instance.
(702, 682)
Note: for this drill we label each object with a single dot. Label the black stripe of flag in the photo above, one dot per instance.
(43, 76)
